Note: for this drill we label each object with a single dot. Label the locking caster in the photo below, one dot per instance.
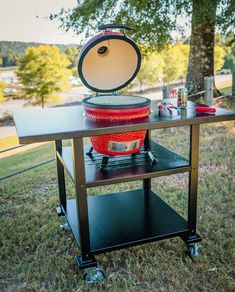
(64, 223)
(93, 275)
(193, 250)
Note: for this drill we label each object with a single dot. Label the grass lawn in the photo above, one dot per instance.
(36, 255)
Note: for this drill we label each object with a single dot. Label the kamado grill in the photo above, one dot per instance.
(108, 62)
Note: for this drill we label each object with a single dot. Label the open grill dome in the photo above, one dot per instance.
(109, 62)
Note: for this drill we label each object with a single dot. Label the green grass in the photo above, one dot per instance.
(26, 159)
(35, 255)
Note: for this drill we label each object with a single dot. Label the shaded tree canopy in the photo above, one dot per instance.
(153, 22)
(148, 26)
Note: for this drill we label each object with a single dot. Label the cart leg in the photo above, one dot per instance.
(133, 155)
(147, 147)
(192, 238)
(86, 259)
(61, 181)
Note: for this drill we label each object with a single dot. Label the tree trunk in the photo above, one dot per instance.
(42, 100)
(201, 56)
(141, 85)
(233, 83)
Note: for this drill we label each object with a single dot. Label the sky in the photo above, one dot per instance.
(27, 20)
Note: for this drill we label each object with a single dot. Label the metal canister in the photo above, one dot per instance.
(182, 97)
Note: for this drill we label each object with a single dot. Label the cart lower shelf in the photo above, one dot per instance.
(125, 219)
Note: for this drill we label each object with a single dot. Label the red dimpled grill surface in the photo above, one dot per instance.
(100, 143)
(115, 114)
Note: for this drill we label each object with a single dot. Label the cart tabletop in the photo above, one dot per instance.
(41, 125)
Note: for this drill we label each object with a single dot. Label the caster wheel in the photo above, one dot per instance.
(193, 250)
(64, 223)
(93, 275)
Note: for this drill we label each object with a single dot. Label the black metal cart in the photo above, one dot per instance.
(107, 222)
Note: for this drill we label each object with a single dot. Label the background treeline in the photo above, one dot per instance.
(171, 63)
(168, 65)
(11, 51)
(176, 57)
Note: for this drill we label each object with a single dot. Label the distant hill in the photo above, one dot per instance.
(10, 51)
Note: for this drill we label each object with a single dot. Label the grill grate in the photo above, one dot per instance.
(120, 162)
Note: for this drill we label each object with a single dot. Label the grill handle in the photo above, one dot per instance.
(113, 26)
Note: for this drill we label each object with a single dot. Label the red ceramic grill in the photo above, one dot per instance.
(108, 62)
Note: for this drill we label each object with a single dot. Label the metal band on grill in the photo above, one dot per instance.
(123, 146)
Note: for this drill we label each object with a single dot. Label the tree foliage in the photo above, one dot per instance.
(229, 62)
(175, 62)
(153, 22)
(169, 65)
(72, 55)
(151, 69)
(2, 87)
(42, 71)
(11, 51)
(219, 54)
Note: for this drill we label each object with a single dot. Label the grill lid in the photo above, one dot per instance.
(109, 62)
(116, 102)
